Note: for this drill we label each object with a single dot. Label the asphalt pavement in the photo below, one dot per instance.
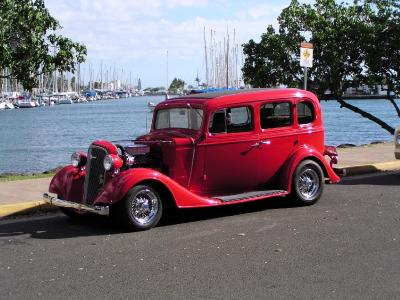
(346, 246)
(25, 196)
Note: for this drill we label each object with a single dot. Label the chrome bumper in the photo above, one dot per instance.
(100, 210)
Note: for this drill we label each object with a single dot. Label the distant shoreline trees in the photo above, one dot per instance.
(176, 85)
(355, 43)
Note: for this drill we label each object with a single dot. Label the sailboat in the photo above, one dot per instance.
(9, 105)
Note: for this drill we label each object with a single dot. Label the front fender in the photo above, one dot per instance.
(116, 189)
(300, 154)
(68, 184)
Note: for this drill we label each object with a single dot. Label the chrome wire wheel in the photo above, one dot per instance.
(144, 207)
(308, 183)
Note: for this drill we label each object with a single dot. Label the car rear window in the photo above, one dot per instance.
(275, 115)
(305, 113)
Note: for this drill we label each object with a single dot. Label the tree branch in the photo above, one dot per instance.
(396, 107)
(365, 114)
(7, 77)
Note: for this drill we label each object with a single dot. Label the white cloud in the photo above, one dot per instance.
(264, 11)
(136, 34)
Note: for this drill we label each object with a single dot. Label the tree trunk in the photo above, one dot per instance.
(365, 114)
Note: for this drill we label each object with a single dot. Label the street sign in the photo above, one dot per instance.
(306, 45)
(306, 57)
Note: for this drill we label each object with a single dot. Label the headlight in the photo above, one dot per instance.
(397, 139)
(108, 163)
(78, 159)
(112, 162)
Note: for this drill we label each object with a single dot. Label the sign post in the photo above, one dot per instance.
(306, 59)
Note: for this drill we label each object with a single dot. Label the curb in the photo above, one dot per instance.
(25, 208)
(367, 169)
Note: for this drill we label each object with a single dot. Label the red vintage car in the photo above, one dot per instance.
(204, 150)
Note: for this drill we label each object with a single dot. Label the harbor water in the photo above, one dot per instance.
(39, 139)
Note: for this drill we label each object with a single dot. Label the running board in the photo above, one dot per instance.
(251, 195)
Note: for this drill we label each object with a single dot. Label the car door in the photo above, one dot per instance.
(231, 156)
(277, 137)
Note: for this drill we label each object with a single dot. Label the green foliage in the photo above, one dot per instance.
(197, 79)
(14, 177)
(353, 43)
(176, 84)
(29, 45)
(154, 89)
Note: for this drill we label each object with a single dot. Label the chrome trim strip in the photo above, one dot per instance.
(100, 210)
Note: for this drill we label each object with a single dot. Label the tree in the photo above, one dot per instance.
(176, 84)
(29, 45)
(353, 44)
(197, 79)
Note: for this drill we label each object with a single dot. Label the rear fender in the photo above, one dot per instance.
(302, 153)
(116, 189)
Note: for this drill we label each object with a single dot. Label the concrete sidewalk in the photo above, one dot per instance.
(24, 196)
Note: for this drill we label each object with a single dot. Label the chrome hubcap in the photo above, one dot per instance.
(144, 206)
(308, 183)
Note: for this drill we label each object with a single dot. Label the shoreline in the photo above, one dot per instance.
(358, 97)
(349, 145)
(10, 176)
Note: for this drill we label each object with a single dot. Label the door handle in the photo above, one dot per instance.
(258, 144)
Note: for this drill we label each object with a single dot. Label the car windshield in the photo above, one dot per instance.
(185, 117)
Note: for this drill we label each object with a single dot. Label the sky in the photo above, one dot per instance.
(140, 38)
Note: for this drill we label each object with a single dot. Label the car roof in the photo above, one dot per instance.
(232, 97)
(216, 94)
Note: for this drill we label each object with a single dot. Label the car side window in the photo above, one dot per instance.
(230, 120)
(275, 115)
(305, 112)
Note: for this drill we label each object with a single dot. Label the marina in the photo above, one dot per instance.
(36, 140)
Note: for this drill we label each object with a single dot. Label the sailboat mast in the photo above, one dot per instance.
(205, 55)
(167, 75)
(227, 60)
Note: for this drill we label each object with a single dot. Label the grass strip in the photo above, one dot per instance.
(14, 177)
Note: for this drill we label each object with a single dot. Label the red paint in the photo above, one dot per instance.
(197, 165)
(68, 184)
(110, 147)
(117, 162)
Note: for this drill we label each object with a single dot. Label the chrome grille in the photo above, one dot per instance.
(95, 173)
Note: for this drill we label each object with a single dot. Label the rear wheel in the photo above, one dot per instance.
(142, 208)
(308, 183)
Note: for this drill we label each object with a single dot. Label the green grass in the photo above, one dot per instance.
(14, 177)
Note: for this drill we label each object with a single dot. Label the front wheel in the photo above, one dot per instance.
(141, 209)
(308, 183)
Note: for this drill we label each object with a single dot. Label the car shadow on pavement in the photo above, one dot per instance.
(180, 216)
(389, 179)
(58, 226)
